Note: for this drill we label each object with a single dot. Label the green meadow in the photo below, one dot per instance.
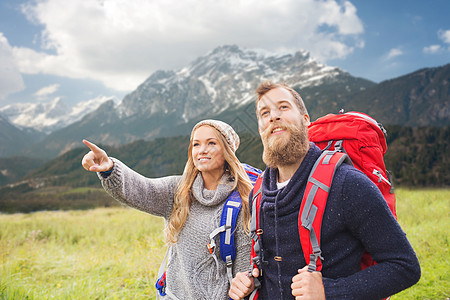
(114, 253)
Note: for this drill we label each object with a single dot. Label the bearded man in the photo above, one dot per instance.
(356, 218)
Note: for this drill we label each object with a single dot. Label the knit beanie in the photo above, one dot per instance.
(226, 130)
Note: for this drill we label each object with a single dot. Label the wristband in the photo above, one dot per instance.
(107, 173)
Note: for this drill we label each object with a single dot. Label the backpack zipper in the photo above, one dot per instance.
(380, 176)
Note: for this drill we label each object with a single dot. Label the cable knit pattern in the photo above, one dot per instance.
(191, 269)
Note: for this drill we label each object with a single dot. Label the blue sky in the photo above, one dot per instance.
(79, 50)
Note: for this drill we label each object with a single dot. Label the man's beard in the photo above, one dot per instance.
(282, 151)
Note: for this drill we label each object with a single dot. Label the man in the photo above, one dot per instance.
(356, 218)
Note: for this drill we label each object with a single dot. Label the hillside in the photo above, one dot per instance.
(14, 168)
(421, 98)
(417, 157)
(13, 140)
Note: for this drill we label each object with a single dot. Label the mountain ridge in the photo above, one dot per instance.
(50, 116)
(221, 84)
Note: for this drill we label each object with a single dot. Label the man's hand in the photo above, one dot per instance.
(96, 160)
(242, 285)
(308, 285)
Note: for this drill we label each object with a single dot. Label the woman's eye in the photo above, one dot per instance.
(212, 143)
(195, 144)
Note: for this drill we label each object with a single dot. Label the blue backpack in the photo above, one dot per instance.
(225, 231)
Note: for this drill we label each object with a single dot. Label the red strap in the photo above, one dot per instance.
(256, 189)
(317, 189)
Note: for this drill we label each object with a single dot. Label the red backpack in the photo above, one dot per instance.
(364, 141)
(351, 137)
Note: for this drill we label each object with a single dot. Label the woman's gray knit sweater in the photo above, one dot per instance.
(191, 271)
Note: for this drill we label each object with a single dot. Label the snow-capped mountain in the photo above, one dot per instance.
(220, 85)
(223, 78)
(48, 117)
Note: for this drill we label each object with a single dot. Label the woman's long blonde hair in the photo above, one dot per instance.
(183, 194)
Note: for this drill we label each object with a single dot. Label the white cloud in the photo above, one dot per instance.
(444, 35)
(432, 49)
(343, 16)
(47, 90)
(122, 42)
(10, 79)
(394, 53)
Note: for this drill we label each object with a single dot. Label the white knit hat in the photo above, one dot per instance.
(226, 130)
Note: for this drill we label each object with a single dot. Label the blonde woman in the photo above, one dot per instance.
(191, 204)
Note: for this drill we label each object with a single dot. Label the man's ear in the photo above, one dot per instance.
(306, 120)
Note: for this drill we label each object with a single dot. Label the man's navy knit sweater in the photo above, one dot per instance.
(356, 218)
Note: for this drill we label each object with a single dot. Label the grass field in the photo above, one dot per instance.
(114, 253)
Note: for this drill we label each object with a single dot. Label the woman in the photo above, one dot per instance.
(191, 204)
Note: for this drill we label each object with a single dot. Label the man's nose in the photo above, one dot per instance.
(275, 114)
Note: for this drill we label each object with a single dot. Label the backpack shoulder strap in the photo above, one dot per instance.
(252, 172)
(313, 206)
(161, 277)
(226, 231)
(227, 225)
(255, 232)
(161, 280)
(228, 219)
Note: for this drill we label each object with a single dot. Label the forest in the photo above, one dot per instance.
(417, 157)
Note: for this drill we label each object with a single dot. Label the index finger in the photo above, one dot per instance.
(92, 146)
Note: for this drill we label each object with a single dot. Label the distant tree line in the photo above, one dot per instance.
(417, 157)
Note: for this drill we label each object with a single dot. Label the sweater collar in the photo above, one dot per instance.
(220, 194)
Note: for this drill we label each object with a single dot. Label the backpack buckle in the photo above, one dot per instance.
(229, 261)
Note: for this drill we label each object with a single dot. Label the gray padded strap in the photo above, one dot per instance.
(228, 225)
(317, 253)
(229, 263)
(319, 184)
(253, 216)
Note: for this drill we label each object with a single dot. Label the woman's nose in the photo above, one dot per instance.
(203, 148)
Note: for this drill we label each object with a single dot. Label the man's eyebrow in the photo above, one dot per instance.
(275, 102)
(259, 107)
(262, 105)
(283, 101)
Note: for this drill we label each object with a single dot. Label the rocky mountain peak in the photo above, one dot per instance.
(222, 78)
